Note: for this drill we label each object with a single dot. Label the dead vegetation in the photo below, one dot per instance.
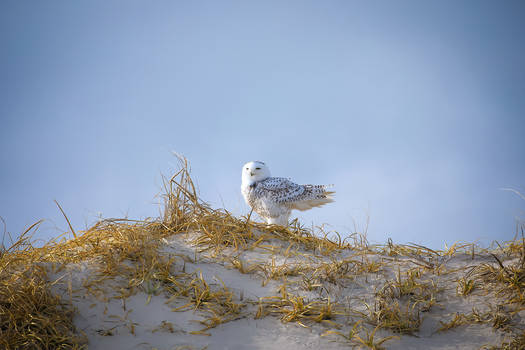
(126, 257)
(507, 280)
(31, 316)
(356, 337)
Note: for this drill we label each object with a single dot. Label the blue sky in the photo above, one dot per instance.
(414, 110)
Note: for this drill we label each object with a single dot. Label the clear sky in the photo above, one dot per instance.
(415, 110)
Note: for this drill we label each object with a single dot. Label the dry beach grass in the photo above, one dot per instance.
(200, 269)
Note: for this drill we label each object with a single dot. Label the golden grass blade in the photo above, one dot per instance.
(65, 216)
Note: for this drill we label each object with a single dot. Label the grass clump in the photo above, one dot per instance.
(399, 302)
(465, 286)
(31, 315)
(517, 342)
(497, 317)
(296, 308)
(390, 314)
(355, 338)
(506, 280)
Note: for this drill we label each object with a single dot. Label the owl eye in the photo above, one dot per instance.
(246, 168)
(257, 168)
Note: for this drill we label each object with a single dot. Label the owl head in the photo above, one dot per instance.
(253, 172)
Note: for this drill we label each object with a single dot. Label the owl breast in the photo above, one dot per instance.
(262, 205)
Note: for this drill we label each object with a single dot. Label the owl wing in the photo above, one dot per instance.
(300, 197)
(279, 190)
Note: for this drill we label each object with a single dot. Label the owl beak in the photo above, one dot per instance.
(251, 174)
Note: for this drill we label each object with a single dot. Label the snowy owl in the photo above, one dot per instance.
(273, 198)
